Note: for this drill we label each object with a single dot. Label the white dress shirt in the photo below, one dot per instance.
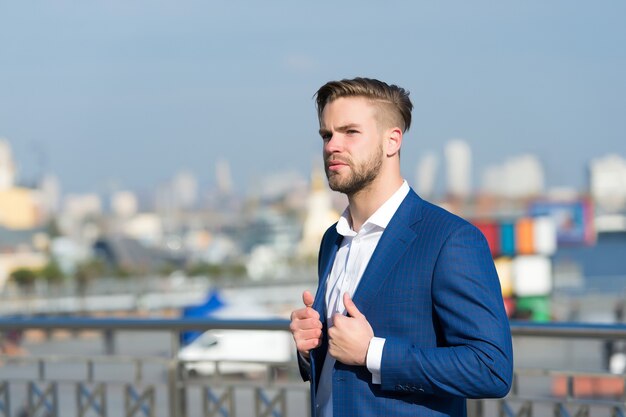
(352, 258)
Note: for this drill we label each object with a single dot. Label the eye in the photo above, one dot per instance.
(326, 136)
(352, 131)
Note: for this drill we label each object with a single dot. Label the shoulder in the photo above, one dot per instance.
(331, 232)
(330, 236)
(437, 219)
(433, 213)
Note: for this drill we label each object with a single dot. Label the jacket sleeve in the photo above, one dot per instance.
(305, 367)
(473, 357)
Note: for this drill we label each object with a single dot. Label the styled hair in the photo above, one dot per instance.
(394, 100)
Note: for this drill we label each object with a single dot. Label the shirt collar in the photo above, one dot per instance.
(380, 218)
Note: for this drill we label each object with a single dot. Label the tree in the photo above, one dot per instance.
(52, 228)
(52, 272)
(24, 277)
(86, 272)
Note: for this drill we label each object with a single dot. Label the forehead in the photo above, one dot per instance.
(345, 110)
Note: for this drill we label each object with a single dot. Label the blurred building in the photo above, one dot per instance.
(607, 182)
(426, 175)
(69, 253)
(146, 228)
(80, 217)
(224, 177)
(277, 186)
(185, 187)
(516, 178)
(124, 204)
(319, 215)
(458, 168)
(177, 195)
(50, 191)
(20, 208)
(7, 166)
(79, 206)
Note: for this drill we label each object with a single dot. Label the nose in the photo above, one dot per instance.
(333, 144)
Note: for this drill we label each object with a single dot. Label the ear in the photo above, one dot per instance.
(394, 141)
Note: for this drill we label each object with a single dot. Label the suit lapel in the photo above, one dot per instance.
(328, 251)
(392, 245)
(327, 257)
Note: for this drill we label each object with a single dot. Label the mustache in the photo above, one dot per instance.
(328, 160)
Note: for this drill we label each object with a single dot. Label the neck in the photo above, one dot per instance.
(365, 202)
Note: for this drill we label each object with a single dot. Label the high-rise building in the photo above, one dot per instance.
(7, 166)
(185, 188)
(607, 181)
(426, 174)
(50, 191)
(458, 168)
(224, 177)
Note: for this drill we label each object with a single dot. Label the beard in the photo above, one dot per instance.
(360, 175)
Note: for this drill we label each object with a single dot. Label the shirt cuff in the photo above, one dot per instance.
(375, 357)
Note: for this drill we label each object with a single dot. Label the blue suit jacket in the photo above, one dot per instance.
(431, 290)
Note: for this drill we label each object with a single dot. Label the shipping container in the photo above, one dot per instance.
(535, 308)
(532, 275)
(524, 239)
(491, 231)
(544, 235)
(507, 239)
(504, 267)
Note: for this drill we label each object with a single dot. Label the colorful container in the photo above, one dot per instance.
(507, 239)
(533, 308)
(544, 236)
(491, 231)
(532, 276)
(524, 236)
(504, 267)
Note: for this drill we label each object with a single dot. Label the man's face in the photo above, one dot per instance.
(353, 150)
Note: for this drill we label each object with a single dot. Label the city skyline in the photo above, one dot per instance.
(132, 94)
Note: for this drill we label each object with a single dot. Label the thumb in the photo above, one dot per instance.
(351, 307)
(307, 299)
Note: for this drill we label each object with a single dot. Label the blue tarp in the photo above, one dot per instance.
(212, 303)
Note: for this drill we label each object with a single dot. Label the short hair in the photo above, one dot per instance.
(394, 99)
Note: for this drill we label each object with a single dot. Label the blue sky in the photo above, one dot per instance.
(130, 92)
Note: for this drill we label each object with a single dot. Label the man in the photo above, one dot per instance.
(408, 317)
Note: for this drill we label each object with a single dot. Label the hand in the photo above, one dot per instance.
(350, 336)
(306, 326)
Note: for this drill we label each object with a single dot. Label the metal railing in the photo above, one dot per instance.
(157, 385)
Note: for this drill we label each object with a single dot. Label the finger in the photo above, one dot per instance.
(305, 346)
(307, 299)
(338, 321)
(306, 324)
(308, 334)
(332, 333)
(304, 313)
(351, 307)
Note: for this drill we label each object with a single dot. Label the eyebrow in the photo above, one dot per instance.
(343, 128)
